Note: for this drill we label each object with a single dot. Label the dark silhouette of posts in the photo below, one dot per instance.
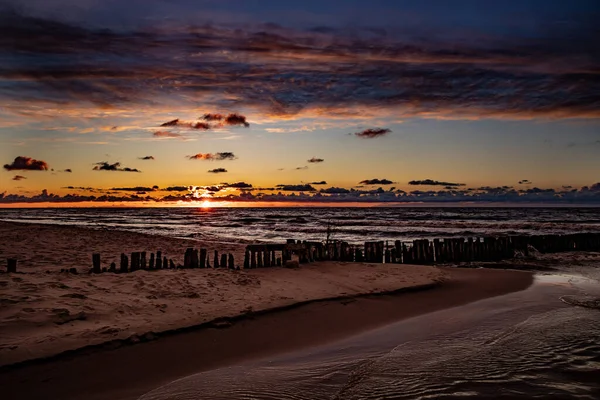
(159, 264)
(151, 266)
(246, 259)
(11, 265)
(216, 259)
(96, 263)
(231, 261)
(124, 263)
(202, 258)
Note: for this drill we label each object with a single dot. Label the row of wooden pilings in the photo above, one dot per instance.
(453, 250)
(423, 251)
(139, 261)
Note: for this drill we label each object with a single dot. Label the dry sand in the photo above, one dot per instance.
(45, 312)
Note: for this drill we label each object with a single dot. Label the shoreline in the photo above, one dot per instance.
(128, 371)
(217, 323)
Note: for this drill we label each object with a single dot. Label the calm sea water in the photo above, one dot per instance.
(524, 345)
(354, 225)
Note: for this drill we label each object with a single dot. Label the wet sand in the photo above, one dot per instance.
(129, 371)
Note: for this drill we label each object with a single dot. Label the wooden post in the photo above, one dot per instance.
(253, 259)
(96, 263)
(273, 260)
(11, 265)
(203, 258)
(124, 263)
(159, 260)
(230, 261)
(279, 261)
(223, 262)
(246, 259)
(187, 258)
(259, 258)
(216, 259)
(171, 264)
(135, 261)
(151, 266)
(113, 267)
(267, 258)
(165, 262)
(143, 260)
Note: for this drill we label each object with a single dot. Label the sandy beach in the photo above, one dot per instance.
(110, 335)
(46, 312)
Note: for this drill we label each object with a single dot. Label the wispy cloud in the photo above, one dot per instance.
(213, 156)
(167, 134)
(146, 158)
(105, 166)
(217, 171)
(18, 178)
(376, 182)
(316, 160)
(431, 182)
(372, 133)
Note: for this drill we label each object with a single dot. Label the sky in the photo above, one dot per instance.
(175, 101)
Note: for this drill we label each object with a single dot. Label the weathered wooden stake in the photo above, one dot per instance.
(159, 260)
(253, 259)
(124, 263)
(231, 261)
(202, 258)
(216, 259)
(143, 260)
(11, 265)
(171, 264)
(246, 259)
(113, 267)
(195, 261)
(223, 262)
(165, 265)
(151, 266)
(96, 263)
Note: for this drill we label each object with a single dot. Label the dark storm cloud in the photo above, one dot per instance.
(376, 182)
(372, 133)
(213, 117)
(146, 158)
(105, 166)
(306, 193)
(177, 189)
(553, 73)
(335, 190)
(21, 163)
(18, 178)
(213, 156)
(315, 160)
(217, 170)
(431, 182)
(135, 189)
(236, 119)
(296, 188)
(238, 185)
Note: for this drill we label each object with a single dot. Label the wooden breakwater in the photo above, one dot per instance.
(422, 251)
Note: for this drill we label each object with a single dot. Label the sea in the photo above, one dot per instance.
(352, 224)
(540, 343)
